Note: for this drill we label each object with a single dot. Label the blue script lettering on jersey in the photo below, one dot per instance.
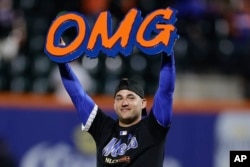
(115, 147)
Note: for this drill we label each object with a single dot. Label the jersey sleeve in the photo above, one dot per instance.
(83, 103)
(163, 99)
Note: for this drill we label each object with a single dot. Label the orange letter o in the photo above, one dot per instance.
(63, 51)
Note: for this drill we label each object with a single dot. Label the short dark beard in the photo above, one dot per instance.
(128, 121)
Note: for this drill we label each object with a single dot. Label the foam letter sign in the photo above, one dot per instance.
(154, 34)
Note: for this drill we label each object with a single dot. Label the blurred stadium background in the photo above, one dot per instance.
(212, 109)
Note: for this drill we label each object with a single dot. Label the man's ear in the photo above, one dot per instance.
(114, 105)
(144, 103)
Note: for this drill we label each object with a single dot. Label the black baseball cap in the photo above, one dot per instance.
(131, 85)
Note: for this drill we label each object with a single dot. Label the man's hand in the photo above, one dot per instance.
(62, 43)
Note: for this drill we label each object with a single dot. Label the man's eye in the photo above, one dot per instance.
(131, 97)
(118, 98)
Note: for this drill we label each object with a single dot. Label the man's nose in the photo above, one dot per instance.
(124, 102)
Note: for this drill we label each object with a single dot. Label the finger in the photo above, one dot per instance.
(62, 42)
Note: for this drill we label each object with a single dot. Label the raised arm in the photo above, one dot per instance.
(163, 100)
(84, 105)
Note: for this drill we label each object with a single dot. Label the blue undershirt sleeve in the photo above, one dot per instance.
(84, 105)
(163, 99)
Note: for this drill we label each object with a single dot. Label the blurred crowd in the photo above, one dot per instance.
(214, 38)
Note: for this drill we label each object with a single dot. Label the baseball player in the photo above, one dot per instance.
(136, 138)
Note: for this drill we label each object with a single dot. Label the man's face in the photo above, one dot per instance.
(128, 106)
